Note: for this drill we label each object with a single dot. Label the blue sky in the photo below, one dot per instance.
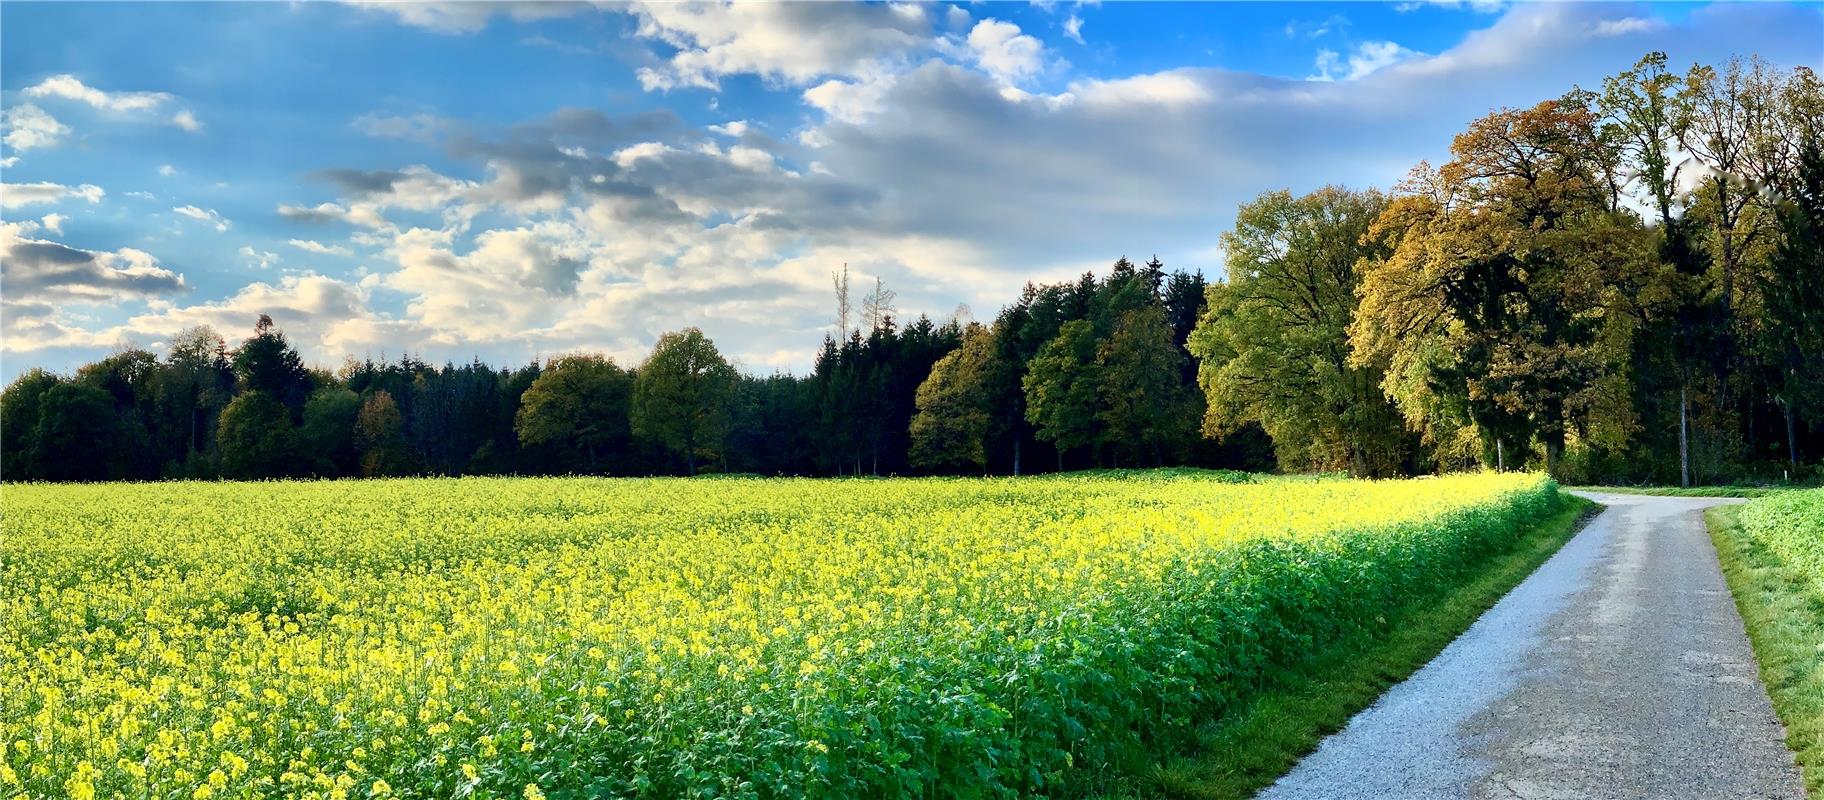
(517, 181)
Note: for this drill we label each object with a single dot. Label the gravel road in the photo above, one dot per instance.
(1617, 670)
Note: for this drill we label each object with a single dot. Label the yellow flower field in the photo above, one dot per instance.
(669, 637)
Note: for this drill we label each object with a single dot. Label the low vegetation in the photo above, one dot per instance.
(1772, 551)
(582, 637)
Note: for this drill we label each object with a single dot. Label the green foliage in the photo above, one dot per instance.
(1273, 341)
(1772, 551)
(20, 408)
(380, 433)
(1147, 412)
(1491, 311)
(256, 437)
(681, 396)
(1063, 388)
(327, 436)
(76, 435)
(267, 363)
(579, 405)
(955, 405)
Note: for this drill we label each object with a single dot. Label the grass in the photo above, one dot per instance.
(1691, 491)
(1260, 741)
(1784, 614)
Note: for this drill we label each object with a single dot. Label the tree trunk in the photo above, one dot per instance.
(1684, 441)
(1792, 440)
(1500, 456)
(1016, 455)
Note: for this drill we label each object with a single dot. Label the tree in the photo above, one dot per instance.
(380, 432)
(21, 407)
(1491, 308)
(579, 404)
(1147, 412)
(78, 434)
(954, 419)
(681, 396)
(1273, 341)
(1063, 389)
(196, 383)
(1793, 344)
(256, 437)
(327, 438)
(266, 363)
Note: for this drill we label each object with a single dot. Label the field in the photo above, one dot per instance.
(1772, 551)
(761, 638)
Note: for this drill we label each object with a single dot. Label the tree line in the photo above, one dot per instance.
(1621, 284)
(1614, 285)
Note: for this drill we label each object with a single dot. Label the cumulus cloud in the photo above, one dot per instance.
(69, 87)
(1368, 58)
(1000, 49)
(790, 43)
(28, 126)
(588, 230)
(313, 246)
(259, 259)
(42, 271)
(19, 195)
(53, 222)
(207, 216)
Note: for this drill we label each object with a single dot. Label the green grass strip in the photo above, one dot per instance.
(1251, 747)
(1691, 491)
(1784, 613)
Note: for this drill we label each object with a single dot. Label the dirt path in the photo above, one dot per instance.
(1618, 670)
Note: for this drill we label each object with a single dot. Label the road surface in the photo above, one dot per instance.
(1617, 670)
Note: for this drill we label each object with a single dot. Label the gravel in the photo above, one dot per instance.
(1619, 669)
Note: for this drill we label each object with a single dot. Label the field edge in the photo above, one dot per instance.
(1784, 618)
(1689, 491)
(1286, 720)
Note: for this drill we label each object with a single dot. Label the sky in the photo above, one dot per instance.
(511, 182)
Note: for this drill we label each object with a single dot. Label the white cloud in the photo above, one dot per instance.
(28, 126)
(1000, 49)
(736, 128)
(1368, 58)
(69, 88)
(9, 161)
(420, 126)
(167, 170)
(38, 271)
(1073, 27)
(1176, 88)
(17, 195)
(1623, 27)
(260, 259)
(939, 177)
(1478, 6)
(467, 16)
(790, 43)
(313, 246)
(54, 222)
(204, 215)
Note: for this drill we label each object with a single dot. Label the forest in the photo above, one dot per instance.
(1621, 284)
